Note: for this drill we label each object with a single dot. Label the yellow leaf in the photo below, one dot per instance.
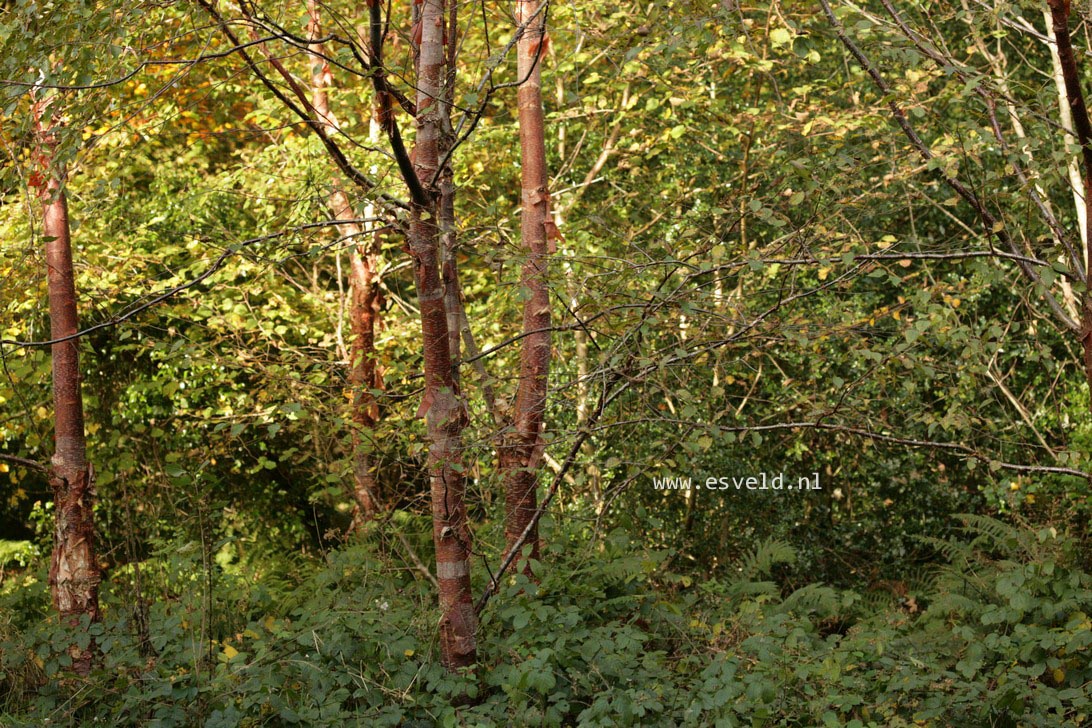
(408, 653)
(230, 651)
(1059, 675)
(823, 273)
(780, 36)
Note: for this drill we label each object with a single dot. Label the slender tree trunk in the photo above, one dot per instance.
(998, 62)
(442, 406)
(364, 377)
(522, 450)
(1082, 126)
(453, 292)
(1076, 182)
(365, 303)
(453, 297)
(74, 574)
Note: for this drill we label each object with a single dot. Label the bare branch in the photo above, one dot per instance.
(992, 224)
(24, 462)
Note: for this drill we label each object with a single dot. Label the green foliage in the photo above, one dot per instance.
(781, 281)
(16, 552)
(1002, 637)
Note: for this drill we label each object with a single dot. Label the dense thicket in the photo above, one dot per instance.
(842, 242)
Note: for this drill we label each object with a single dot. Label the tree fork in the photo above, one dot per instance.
(442, 406)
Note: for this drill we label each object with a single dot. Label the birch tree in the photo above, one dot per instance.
(364, 285)
(442, 406)
(74, 573)
(522, 450)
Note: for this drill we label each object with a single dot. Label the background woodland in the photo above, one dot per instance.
(383, 322)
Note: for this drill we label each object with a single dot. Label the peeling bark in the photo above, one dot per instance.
(74, 573)
(364, 376)
(453, 295)
(522, 451)
(442, 407)
(453, 291)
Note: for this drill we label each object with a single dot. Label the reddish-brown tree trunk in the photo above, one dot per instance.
(1082, 126)
(453, 299)
(522, 449)
(365, 302)
(364, 377)
(453, 292)
(442, 406)
(74, 571)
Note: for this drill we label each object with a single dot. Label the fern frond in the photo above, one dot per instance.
(955, 552)
(766, 555)
(818, 598)
(1004, 537)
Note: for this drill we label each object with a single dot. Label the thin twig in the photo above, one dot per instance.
(24, 462)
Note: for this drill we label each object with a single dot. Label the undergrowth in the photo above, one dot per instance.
(999, 635)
